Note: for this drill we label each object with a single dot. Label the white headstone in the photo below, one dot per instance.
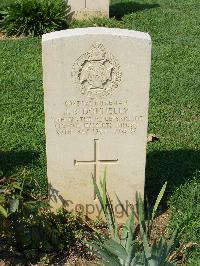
(96, 85)
(83, 9)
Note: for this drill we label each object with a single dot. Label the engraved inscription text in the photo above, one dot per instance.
(97, 117)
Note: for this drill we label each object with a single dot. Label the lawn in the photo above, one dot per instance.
(173, 115)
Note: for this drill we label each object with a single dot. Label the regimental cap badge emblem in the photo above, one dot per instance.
(97, 72)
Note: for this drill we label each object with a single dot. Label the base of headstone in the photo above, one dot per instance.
(88, 14)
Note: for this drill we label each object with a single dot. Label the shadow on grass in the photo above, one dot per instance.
(118, 10)
(11, 160)
(175, 167)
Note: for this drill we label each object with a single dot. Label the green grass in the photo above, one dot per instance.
(22, 143)
(173, 114)
(185, 209)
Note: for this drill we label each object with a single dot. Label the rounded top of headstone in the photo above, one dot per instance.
(96, 31)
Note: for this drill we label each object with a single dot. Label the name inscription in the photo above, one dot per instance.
(97, 117)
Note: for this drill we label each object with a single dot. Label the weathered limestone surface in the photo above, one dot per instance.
(96, 87)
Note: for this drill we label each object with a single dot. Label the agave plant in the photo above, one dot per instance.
(130, 248)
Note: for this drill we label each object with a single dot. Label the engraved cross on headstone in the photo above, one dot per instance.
(96, 162)
(85, 3)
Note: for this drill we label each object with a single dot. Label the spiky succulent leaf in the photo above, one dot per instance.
(159, 198)
(107, 257)
(116, 249)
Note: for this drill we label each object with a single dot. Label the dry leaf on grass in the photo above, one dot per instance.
(152, 138)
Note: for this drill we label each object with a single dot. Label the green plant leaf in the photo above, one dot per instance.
(128, 231)
(103, 186)
(17, 185)
(115, 248)
(2, 199)
(3, 211)
(14, 204)
(160, 195)
(131, 254)
(111, 219)
(172, 242)
(124, 235)
(106, 206)
(140, 210)
(97, 192)
(108, 258)
(122, 205)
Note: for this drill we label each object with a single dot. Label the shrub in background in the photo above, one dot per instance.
(3, 5)
(28, 225)
(45, 232)
(34, 17)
